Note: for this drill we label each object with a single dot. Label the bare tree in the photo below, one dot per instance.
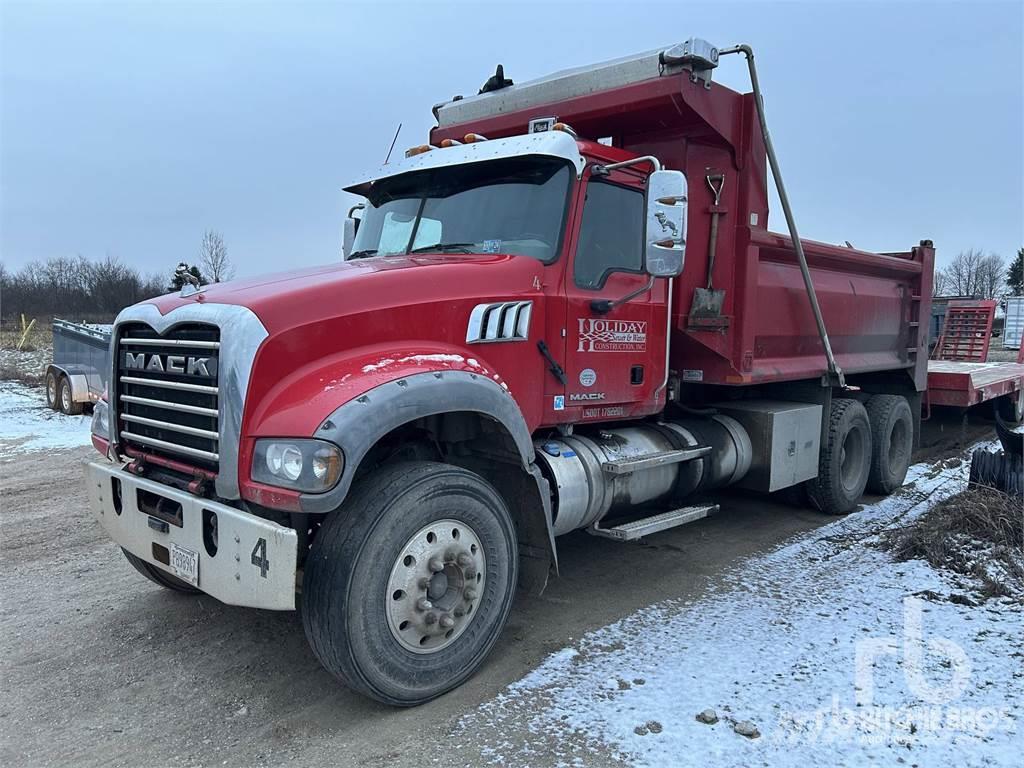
(213, 255)
(73, 287)
(973, 273)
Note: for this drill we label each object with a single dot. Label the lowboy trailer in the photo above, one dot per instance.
(514, 349)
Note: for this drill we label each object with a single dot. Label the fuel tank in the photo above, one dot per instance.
(588, 484)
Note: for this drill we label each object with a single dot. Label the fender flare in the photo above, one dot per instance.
(78, 376)
(357, 425)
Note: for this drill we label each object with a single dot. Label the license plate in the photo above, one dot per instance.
(185, 564)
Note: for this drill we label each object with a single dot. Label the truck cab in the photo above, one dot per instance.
(595, 242)
(539, 328)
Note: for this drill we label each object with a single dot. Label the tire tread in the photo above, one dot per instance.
(821, 490)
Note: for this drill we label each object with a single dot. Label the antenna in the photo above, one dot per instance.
(393, 144)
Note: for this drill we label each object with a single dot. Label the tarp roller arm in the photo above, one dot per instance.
(833, 367)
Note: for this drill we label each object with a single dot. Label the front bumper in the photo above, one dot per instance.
(254, 562)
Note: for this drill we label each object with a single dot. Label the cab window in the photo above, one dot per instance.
(611, 235)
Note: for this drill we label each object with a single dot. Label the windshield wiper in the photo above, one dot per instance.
(442, 247)
(362, 254)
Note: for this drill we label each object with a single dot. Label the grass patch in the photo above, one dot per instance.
(14, 373)
(38, 337)
(977, 533)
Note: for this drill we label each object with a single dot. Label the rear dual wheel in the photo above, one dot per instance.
(867, 448)
(408, 584)
(845, 459)
(892, 437)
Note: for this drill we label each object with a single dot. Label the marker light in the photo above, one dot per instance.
(450, 143)
(565, 128)
(470, 138)
(418, 150)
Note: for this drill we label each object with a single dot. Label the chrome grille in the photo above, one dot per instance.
(167, 391)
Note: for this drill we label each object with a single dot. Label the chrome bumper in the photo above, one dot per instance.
(254, 560)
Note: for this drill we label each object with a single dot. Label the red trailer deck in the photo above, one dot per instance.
(962, 385)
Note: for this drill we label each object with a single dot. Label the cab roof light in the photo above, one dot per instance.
(413, 151)
(471, 138)
(450, 143)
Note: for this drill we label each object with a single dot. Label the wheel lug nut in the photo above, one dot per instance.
(447, 622)
(431, 618)
(423, 604)
(464, 560)
(470, 593)
(436, 564)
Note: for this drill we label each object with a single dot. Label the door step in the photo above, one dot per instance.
(653, 460)
(645, 526)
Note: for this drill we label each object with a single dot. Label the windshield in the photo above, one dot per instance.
(512, 206)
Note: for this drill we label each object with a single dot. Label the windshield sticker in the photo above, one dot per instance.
(491, 246)
(588, 376)
(597, 335)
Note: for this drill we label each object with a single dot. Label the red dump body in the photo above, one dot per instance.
(872, 303)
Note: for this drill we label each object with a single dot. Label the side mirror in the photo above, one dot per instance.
(349, 229)
(665, 230)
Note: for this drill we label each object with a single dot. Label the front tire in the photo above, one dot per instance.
(409, 584)
(157, 576)
(845, 459)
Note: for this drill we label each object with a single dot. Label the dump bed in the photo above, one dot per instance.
(873, 306)
(876, 307)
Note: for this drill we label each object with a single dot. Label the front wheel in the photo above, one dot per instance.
(408, 585)
(157, 576)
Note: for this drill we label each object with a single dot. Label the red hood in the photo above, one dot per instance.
(291, 299)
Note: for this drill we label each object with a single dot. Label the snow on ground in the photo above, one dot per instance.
(836, 653)
(26, 424)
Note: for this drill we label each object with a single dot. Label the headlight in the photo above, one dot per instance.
(101, 419)
(313, 466)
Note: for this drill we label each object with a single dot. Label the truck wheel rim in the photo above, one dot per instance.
(851, 459)
(898, 440)
(435, 586)
(51, 389)
(65, 397)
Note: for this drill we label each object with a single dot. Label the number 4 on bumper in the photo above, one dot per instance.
(259, 557)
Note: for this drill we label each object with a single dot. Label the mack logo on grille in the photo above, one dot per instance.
(186, 365)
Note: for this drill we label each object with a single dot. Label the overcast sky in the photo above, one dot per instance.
(128, 129)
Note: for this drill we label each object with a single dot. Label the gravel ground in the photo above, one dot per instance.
(100, 667)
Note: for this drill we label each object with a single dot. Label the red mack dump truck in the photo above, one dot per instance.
(515, 348)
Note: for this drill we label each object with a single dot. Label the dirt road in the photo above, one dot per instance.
(101, 667)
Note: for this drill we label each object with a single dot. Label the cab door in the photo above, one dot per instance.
(615, 359)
